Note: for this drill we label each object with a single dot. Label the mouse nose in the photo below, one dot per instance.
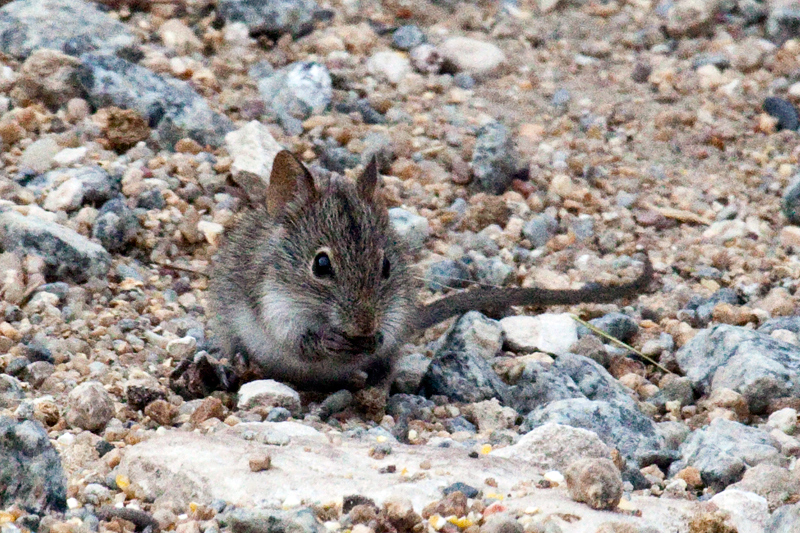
(367, 343)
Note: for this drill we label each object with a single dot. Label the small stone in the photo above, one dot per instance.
(116, 225)
(790, 235)
(553, 333)
(691, 476)
(407, 37)
(268, 393)
(489, 415)
(540, 229)
(122, 128)
(210, 408)
(414, 229)
(494, 158)
(784, 111)
(253, 149)
(49, 76)
(596, 482)
(211, 231)
(784, 420)
(388, 65)
(471, 55)
(90, 184)
(295, 17)
(161, 411)
(38, 156)
(790, 202)
(427, 59)
(261, 462)
(179, 37)
(297, 91)
(447, 273)
(747, 511)
(182, 348)
(89, 407)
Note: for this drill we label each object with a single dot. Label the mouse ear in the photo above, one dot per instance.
(368, 180)
(290, 181)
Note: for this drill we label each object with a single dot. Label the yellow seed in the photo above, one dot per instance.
(193, 507)
(495, 496)
(486, 448)
(404, 472)
(6, 517)
(380, 438)
(437, 522)
(626, 505)
(123, 482)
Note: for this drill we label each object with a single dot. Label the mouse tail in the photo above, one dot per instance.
(497, 299)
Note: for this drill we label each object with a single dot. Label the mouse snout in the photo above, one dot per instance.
(367, 343)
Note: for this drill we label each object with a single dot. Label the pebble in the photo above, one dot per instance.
(553, 333)
(472, 55)
(596, 482)
(295, 17)
(116, 225)
(389, 66)
(724, 449)
(447, 274)
(297, 91)
(67, 254)
(782, 110)
(407, 37)
(89, 407)
(554, 446)
(748, 512)
(494, 158)
(182, 348)
(58, 25)
(89, 184)
(427, 59)
(38, 156)
(268, 393)
(618, 325)
(790, 204)
(784, 420)
(540, 229)
(253, 149)
(414, 229)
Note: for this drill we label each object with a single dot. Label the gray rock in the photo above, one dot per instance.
(407, 37)
(272, 18)
(790, 323)
(406, 407)
(782, 109)
(70, 26)
(484, 336)
(170, 105)
(11, 392)
(783, 21)
(752, 363)
(116, 225)
(674, 433)
(540, 229)
(409, 372)
(680, 390)
(90, 407)
(561, 99)
(778, 485)
(618, 325)
(447, 273)
(785, 519)
(297, 91)
(617, 425)
(493, 272)
(596, 482)
(593, 380)
(464, 80)
(268, 393)
(724, 449)
(270, 521)
(414, 229)
(66, 253)
(459, 371)
(30, 468)
(493, 158)
(790, 203)
(541, 384)
(84, 185)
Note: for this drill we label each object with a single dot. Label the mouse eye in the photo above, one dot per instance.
(322, 267)
(386, 268)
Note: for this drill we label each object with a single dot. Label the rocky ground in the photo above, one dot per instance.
(522, 143)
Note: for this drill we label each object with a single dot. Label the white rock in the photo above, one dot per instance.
(749, 511)
(471, 55)
(555, 447)
(253, 149)
(69, 156)
(489, 415)
(211, 231)
(784, 420)
(38, 156)
(182, 348)
(392, 66)
(552, 333)
(178, 36)
(268, 393)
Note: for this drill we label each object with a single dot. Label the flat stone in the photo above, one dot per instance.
(170, 105)
(66, 253)
(472, 55)
(90, 184)
(268, 393)
(71, 26)
(253, 149)
(553, 333)
(272, 18)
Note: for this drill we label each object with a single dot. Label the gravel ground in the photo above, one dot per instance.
(521, 143)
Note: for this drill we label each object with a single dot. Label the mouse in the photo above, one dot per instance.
(314, 287)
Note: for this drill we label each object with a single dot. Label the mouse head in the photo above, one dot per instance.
(337, 247)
